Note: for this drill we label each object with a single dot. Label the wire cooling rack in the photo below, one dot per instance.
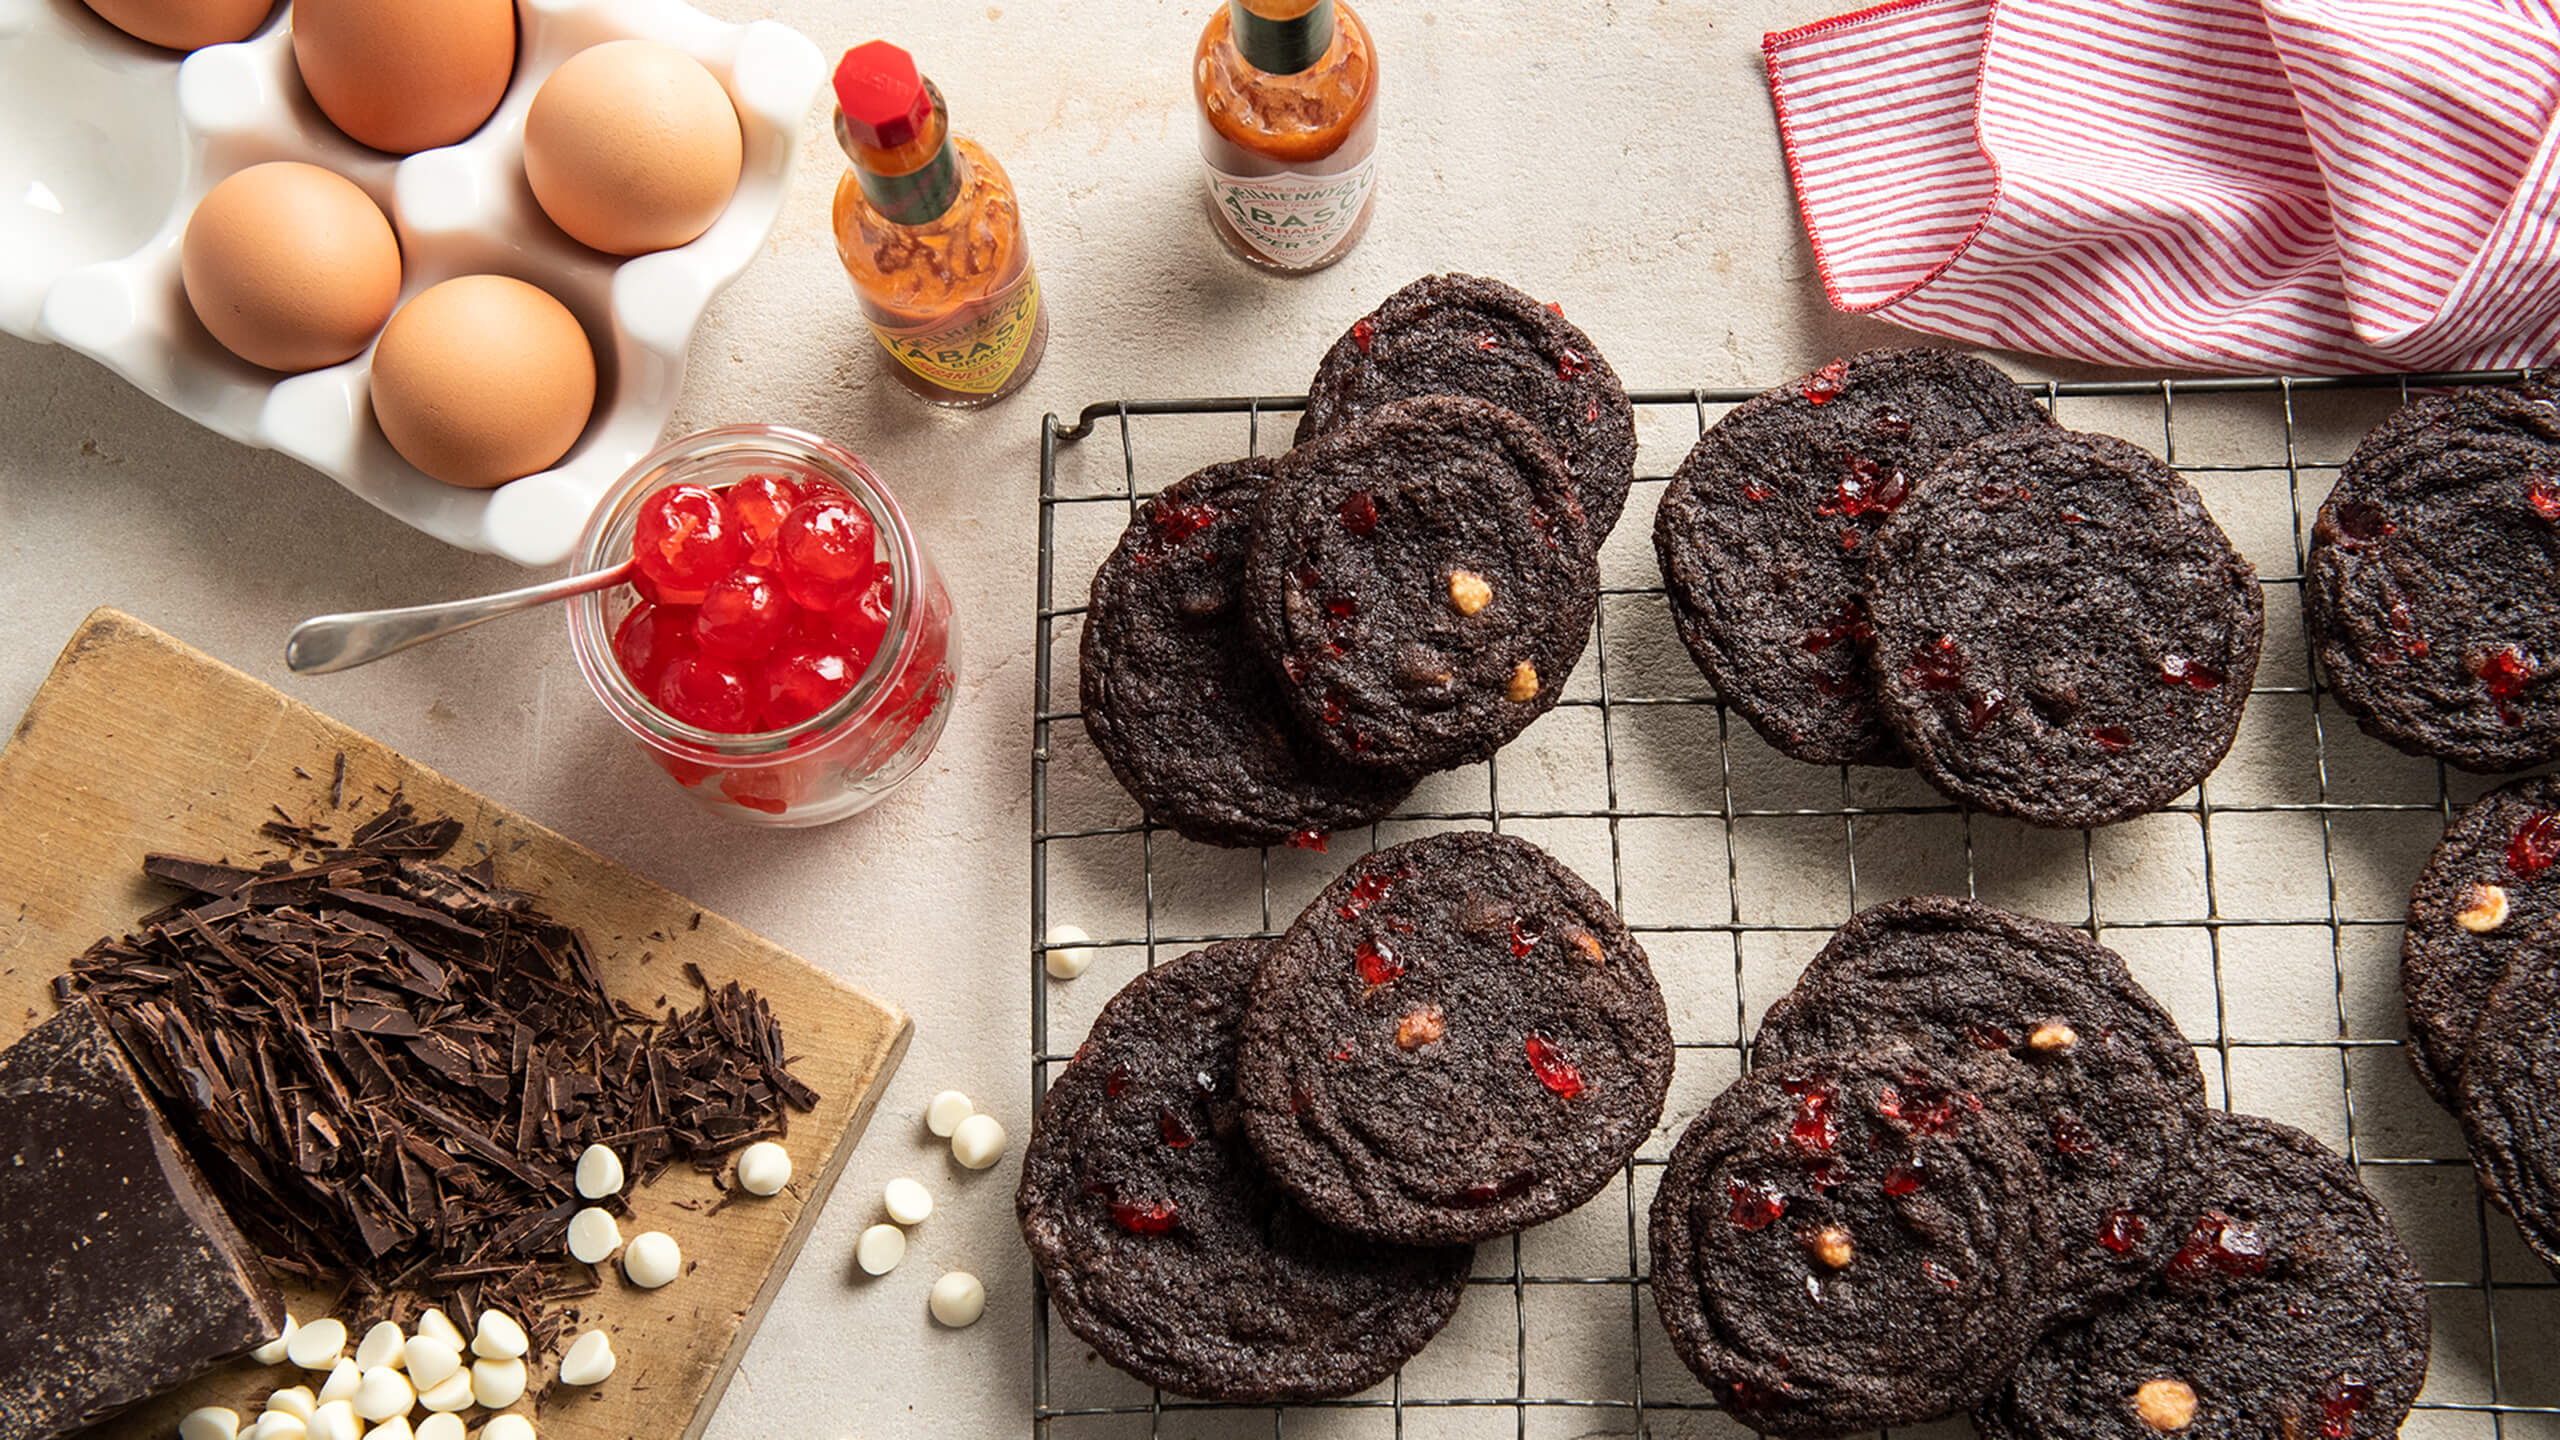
(2263, 908)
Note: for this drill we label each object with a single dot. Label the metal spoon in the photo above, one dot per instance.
(328, 643)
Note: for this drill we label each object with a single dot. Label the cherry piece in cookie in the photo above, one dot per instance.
(1457, 1039)
(1762, 534)
(1853, 1240)
(2062, 634)
(2107, 1090)
(1165, 1245)
(1421, 584)
(2428, 591)
(2289, 1309)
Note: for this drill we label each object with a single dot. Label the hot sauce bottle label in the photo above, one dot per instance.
(974, 349)
(1293, 218)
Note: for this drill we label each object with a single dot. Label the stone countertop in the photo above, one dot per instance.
(1618, 156)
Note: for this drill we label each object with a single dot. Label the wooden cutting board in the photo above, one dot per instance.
(137, 743)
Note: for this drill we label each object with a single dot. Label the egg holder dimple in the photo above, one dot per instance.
(106, 145)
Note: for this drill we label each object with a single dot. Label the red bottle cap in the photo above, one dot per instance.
(884, 100)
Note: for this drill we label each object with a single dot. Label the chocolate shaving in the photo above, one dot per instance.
(385, 1063)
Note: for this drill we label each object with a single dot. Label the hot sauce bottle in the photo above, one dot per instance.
(1288, 93)
(930, 230)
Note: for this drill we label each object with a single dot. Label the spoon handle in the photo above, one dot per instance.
(328, 643)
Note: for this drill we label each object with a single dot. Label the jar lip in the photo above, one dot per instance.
(607, 532)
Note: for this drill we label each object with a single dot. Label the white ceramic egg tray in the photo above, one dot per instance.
(107, 143)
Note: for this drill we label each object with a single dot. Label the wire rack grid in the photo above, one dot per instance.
(2264, 908)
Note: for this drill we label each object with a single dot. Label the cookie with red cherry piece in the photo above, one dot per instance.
(2062, 634)
(2106, 1090)
(1421, 583)
(1853, 1240)
(1763, 530)
(2488, 897)
(2289, 1309)
(2432, 591)
(1164, 1244)
(1464, 335)
(1456, 1040)
(1177, 699)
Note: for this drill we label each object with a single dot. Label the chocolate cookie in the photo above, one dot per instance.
(1457, 1040)
(1461, 335)
(2487, 896)
(2108, 1091)
(1852, 1240)
(2062, 634)
(1422, 582)
(2509, 1100)
(2429, 592)
(1165, 1245)
(2289, 1310)
(1762, 534)
(1177, 700)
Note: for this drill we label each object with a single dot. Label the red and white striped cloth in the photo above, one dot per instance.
(2289, 185)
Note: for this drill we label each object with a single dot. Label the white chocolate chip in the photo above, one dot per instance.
(507, 1427)
(1424, 1025)
(497, 1384)
(947, 1110)
(2052, 1037)
(593, 1235)
(429, 1360)
(273, 1352)
(764, 1168)
(599, 1172)
(1831, 1247)
(880, 1249)
(210, 1423)
(441, 1427)
(1469, 592)
(590, 1359)
(1524, 684)
(979, 1141)
(383, 1393)
(2484, 908)
(652, 1259)
(380, 1347)
(343, 1379)
(440, 1325)
(907, 1201)
(958, 1299)
(395, 1428)
(335, 1420)
(294, 1400)
(499, 1337)
(318, 1345)
(453, 1392)
(280, 1425)
(1070, 955)
(2165, 1405)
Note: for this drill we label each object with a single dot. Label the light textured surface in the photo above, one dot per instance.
(1616, 155)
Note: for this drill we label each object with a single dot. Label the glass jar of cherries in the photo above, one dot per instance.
(784, 649)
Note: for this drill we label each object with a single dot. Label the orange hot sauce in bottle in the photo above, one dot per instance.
(928, 226)
(1288, 94)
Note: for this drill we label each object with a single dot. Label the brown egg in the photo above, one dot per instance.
(632, 146)
(406, 75)
(482, 380)
(290, 266)
(184, 24)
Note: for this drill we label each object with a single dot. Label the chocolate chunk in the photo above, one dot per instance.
(121, 1275)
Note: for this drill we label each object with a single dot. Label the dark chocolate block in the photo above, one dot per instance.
(120, 1275)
